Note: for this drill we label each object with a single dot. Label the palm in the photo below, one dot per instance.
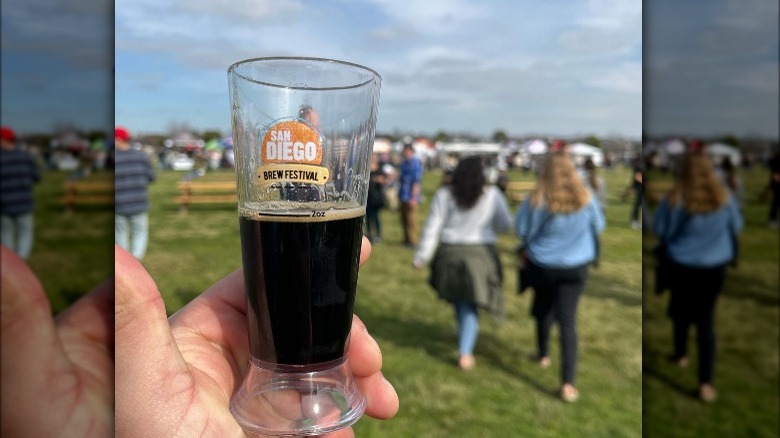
(200, 358)
(63, 367)
(210, 334)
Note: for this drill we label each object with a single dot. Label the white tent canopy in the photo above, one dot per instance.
(534, 147)
(381, 145)
(469, 148)
(674, 147)
(582, 151)
(724, 150)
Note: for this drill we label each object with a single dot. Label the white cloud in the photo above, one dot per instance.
(614, 15)
(433, 16)
(452, 64)
(75, 32)
(605, 27)
(626, 77)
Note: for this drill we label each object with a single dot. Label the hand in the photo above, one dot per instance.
(175, 376)
(57, 373)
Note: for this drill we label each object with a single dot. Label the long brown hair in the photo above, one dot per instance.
(559, 186)
(697, 186)
(468, 182)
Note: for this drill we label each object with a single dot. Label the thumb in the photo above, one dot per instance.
(32, 360)
(150, 373)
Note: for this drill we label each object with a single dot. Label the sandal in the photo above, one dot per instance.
(569, 393)
(707, 393)
(543, 361)
(466, 362)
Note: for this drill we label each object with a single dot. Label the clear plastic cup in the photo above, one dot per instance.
(303, 132)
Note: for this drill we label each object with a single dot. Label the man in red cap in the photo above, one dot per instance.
(132, 175)
(18, 174)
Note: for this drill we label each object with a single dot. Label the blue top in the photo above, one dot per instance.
(702, 240)
(566, 240)
(18, 174)
(410, 173)
(132, 174)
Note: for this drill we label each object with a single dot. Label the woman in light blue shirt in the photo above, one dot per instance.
(698, 221)
(559, 222)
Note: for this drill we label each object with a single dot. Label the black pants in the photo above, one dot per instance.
(774, 207)
(556, 294)
(694, 293)
(636, 208)
(373, 226)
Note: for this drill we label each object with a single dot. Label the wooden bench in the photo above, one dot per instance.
(88, 193)
(656, 190)
(517, 190)
(206, 192)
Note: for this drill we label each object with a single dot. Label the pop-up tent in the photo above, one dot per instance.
(720, 150)
(673, 147)
(582, 151)
(534, 147)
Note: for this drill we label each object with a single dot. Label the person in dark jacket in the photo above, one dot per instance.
(132, 175)
(376, 201)
(18, 175)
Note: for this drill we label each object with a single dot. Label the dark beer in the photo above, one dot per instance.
(300, 274)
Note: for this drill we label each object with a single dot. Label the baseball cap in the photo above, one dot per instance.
(695, 145)
(121, 133)
(7, 134)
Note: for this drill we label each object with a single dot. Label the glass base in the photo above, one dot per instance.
(299, 400)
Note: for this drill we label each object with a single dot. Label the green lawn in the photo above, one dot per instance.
(506, 394)
(72, 252)
(747, 326)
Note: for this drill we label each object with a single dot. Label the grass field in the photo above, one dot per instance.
(72, 252)
(506, 394)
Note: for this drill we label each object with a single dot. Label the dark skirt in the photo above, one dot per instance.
(469, 273)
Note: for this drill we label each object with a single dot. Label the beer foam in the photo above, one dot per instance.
(279, 211)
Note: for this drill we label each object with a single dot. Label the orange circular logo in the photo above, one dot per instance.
(291, 141)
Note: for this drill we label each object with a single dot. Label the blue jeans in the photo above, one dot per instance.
(17, 233)
(132, 233)
(468, 326)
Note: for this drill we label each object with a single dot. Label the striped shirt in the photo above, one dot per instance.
(18, 174)
(132, 174)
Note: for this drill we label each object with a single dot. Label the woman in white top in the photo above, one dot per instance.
(459, 240)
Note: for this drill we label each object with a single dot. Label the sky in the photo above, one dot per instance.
(712, 68)
(57, 60)
(558, 67)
